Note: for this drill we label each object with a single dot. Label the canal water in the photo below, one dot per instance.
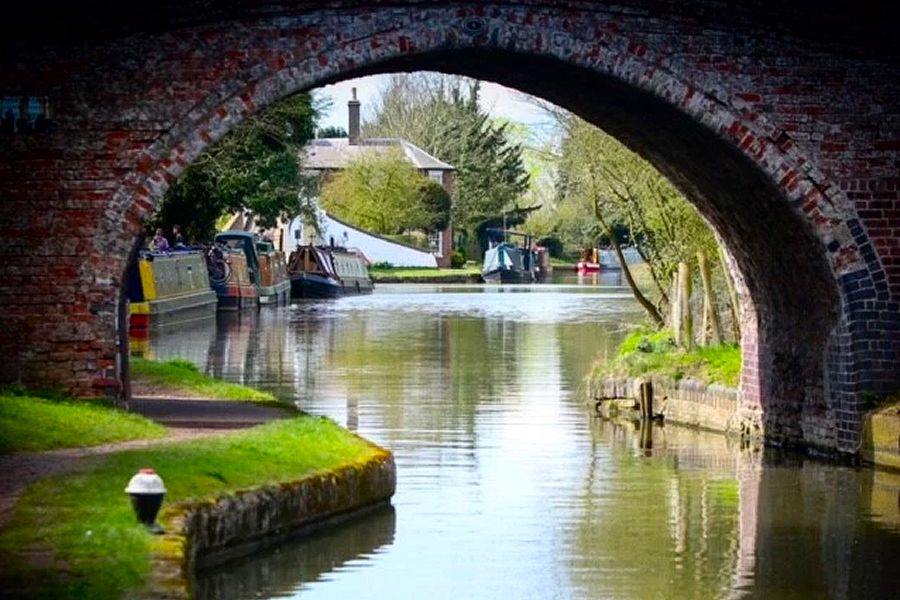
(507, 488)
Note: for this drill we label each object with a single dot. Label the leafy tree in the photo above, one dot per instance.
(437, 206)
(384, 192)
(332, 131)
(440, 114)
(255, 167)
(600, 177)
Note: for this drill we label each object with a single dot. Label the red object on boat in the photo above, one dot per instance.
(587, 267)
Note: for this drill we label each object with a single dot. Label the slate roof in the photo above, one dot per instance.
(336, 153)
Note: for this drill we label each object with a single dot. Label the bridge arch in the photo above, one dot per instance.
(809, 275)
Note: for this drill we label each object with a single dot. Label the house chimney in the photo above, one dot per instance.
(353, 110)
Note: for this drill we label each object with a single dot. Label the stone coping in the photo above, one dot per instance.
(881, 437)
(207, 533)
(689, 402)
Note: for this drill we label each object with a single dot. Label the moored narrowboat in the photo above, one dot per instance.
(229, 277)
(265, 265)
(327, 272)
(169, 288)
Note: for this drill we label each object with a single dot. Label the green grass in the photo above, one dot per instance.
(415, 273)
(654, 353)
(30, 423)
(83, 526)
(182, 377)
(563, 262)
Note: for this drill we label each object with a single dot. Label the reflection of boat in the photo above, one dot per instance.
(508, 263)
(327, 272)
(265, 265)
(169, 288)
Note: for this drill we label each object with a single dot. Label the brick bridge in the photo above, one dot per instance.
(782, 125)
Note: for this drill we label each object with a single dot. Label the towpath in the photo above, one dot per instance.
(187, 419)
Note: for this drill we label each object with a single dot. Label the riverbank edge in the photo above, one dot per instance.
(881, 437)
(206, 533)
(687, 402)
(715, 407)
(462, 278)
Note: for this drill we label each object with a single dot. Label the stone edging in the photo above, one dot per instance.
(881, 437)
(205, 533)
(686, 402)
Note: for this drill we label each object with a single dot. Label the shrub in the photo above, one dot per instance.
(457, 259)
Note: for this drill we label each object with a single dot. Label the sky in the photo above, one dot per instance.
(496, 99)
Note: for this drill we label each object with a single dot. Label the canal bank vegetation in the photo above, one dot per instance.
(75, 535)
(181, 378)
(645, 352)
(32, 423)
(256, 167)
(608, 196)
(389, 274)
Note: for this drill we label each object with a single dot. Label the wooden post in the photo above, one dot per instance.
(684, 294)
(676, 309)
(710, 309)
(647, 400)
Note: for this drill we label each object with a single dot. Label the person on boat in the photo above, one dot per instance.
(177, 238)
(159, 242)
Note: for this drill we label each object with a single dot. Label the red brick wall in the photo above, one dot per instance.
(782, 127)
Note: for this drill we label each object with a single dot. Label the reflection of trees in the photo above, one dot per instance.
(426, 375)
(665, 526)
(291, 564)
(580, 346)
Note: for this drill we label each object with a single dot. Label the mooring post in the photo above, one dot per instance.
(647, 400)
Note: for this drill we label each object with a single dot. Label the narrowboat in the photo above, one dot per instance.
(328, 272)
(230, 279)
(505, 262)
(265, 264)
(169, 288)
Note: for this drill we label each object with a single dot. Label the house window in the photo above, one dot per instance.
(435, 242)
(436, 176)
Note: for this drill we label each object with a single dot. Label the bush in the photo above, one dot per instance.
(553, 245)
(457, 259)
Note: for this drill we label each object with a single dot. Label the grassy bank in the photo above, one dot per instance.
(76, 536)
(181, 378)
(423, 274)
(645, 353)
(29, 423)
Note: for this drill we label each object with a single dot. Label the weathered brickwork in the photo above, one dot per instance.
(787, 143)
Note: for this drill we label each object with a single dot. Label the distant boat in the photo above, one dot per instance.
(504, 263)
(606, 259)
(328, 272)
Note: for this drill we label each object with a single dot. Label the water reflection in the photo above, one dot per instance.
(507, 489)
(288, 567)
